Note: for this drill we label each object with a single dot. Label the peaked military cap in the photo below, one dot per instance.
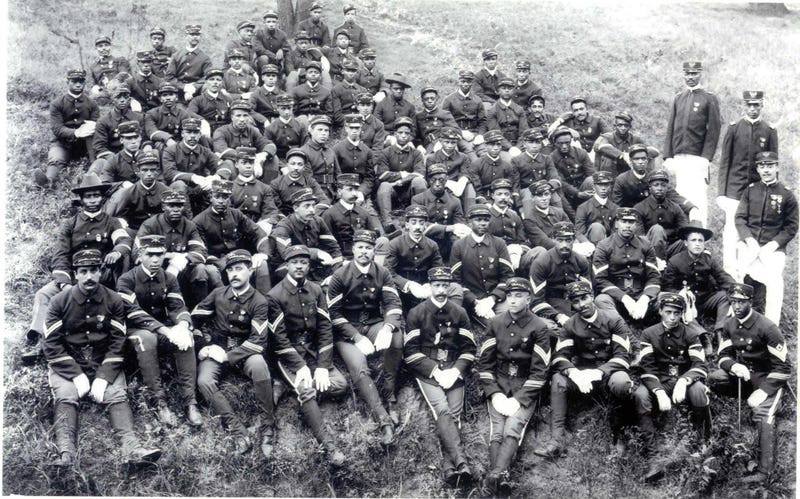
(145, 56)
(190, 124)
(602, 177)
(222, 187)
(766, 157)
(193, 29)
(488, 54)
(284, 100)
(167, 88)
(367, 53)
(348, 8)
(518, 284)
(128, 128)
(506, 82)
(365, 236)
(428, 89)
(238, 256)
(535, 98)
(501, 183)
(740, 291)
(102, 39)
(87, 258)
(303, 195)
(692, 66)
(270, 69)
(76, 74)
(466, 75)
(416, 211)
(671, 299)
(449, 133)
(563, 229)
(627, 214)
(562, 130)
(313, 65)
(296, 251)
(532, 135)
(270, 13)
(539, 187)
(173, 197)
(236, 54)
(302, 35)
(753, 95)
(576, 99)
(147, 158)
(622, 115)
(478, 210)
(120, 90)
(493, 136)
(364, 98)
(523, 64)
(353, 119)
(157, 31)
(320, 119)
(658, 175)
(403, 121)
(248, 153)
(440, 274)
(245, 24)
(153, 241)
(350, 64)
(342, 32)
(215, 72)
(637, 148)
(350, 179)
(437, 169)
(241, 105)
(577, 288)
(296, 151)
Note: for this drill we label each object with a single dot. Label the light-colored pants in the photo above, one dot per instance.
(691, 181)
(769, 272)
(729, 235)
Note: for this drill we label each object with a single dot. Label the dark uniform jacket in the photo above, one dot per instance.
(509, 119)
(285, 135)
(358, 300)
(151, 300)
(625, 267)
(180, 162)
(467, 110)
(481, 267)
(395, 159)
(343, 100)
(183, 237)
(630, 189)
(609, 148)
(371, 79)
(532, 168)
(300, 324)
(255, 199)
(263, 103)
(743, 140)
(358, 159)
(515, 357)
(85, 334)
(216, 110)
(457, 164)
(507, 225)
(702, 275)
(389, 109)
(428, 124)
(269, 42)
(144, 88)
(79, 232)
(291, 231)
(591, 211)
(104, 69)
(485, 84)
(163, 123)
(373, 134)
(669, 354)
(665, 213)
(358, 38)
(188, 66)
(574, 168)
(410, 261)
(767, 213)
(236, 322)
(317, 30)
(589, 129)
(161, 59)
(321, 164)
(284, 186)
(68, 112)
(757, 343)
(540, 226)
(603, 343)
(550, 273)
(311, 100)
(140, 203)
(442, 210)
(345, 220)
(227, 138)
(484, 170)
(438, 337)
(524, 91)
(239, 82)
(230, 231)
(106, 138)
(694, 124)
(119, 167)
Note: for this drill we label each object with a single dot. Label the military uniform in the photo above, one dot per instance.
(315, 234)
(371, 79)
(188, 66)
(485, 84)
(609, 150)
(144, 88)
(373, 134)
(119, 168)
(285, 135)
(389, 110)
(589, 130)
(215, 109)
(358, 38)
(486, 169)
(429, 123)
(467, 111)
(409, 261)
(180, 162)
(575, 169)
(392, 162)
(443, 210)
(550, 274)
(317, 30)
(481, 266)
(106, 137)
(594, 218)
(139, 203)
(509, 118)
(662, 220)
(358, 159)
(343, 99)
(630, 188)
(163, 123)
(344, 220)
(523, 91)
(255, 199)
(239, 82)
(311, 101)
(540, 225)
(264, 102)
(322, 165)
(103, 69)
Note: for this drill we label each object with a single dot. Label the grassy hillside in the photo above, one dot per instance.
(622, 56)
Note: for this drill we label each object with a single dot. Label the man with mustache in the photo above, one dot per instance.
(348, 216)
(85, 337)
(232, 329)
(240, 132)
(188, 66)
(213, 105)
(367, 316)
(505, 223)
(592, 356)
(588, 127)
(295, 179)
(105, 67)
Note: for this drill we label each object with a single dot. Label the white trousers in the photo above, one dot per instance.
(730, 237)
(768, 271)
(691, 175)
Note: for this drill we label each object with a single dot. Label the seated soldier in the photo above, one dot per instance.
(429, 122)
(143, 199)
(232, 329)
(673, 372)
(348, 216)
(240, 79)
(270, 42)
(487, 77)
(481, 265)
(439, 349)
(508, 117)
(311, 98)
(524, 87)
(537, 119)
(158, 321)
(540, 219)
(457, 165)
(225, 229)
(588, 127)
(505, 223)
(468, 111)
(625, 271)
(295, 179)
(163, 125)
(186, 252)
(355, 157)
(344, 92)
(553, 270)
(188, 66)
(144, 84)
(105, 67)
(594, 218)
(241, 133)
(212, 104)
(697, 276)
(373, 132)
(355, 33)
(369, 76)
(315, 26)
(396, 105)
(338, 55)
(294, 64)
(243, 45)
(264, 98)
(484, 170)
(661, 218)
(91, 228)
(106, 141)
(73, 117)
(411, 256)
(532, 165)
(285, 131)
(81, 363)
(161, 52)
(612, 148)
(594, 347)
(367, 316)
(253, 197)
(512, 366)
(574, 166)
(753, 363)
(304, 227)
(401, 172)
(321, 163)
(446, 218)
(303, 339)
(119, 169)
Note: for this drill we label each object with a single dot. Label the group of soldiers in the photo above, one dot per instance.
(290, 210)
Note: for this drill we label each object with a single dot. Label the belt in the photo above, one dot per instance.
(467, 124)
(513, 369)
(326, 179)
(439, 354)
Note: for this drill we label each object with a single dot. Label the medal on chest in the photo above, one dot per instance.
(775, 202)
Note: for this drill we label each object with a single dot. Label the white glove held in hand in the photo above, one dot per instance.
(679, 392)
(663, 401)
(99, 386)
(322, 379)
(365, 346)
(81, 383)
(740, 371)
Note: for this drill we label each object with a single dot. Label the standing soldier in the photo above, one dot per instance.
(692, 135)
(767, 220)
(234, 321)
(303, 337)
(72, 120)
(367, 316)
(439, 349)
(162, 323)
(754, 351)
(85, 336)
(594, 347)
(737, 166)
(512, 366)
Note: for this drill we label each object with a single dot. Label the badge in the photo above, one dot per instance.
(763, 141)
(512, 369)
(775, 201)
(673, 370)
(589, 130)
(441, 355)
(98, 237)
(437, 338)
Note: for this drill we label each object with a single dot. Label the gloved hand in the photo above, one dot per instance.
(512, 406)
(500, 403)
(447, 377)
(99, 386)
(265, 226)
(467, 135)
(365, 346)
(303, 376)
(86, 129)
(740, 371)
(461, 230)
(213, 352)
(422, 150)
(630, 305)
(384, 338)
(81, 383)
(258, 259)
(136, 107)
(418, 290)
(180, 336)
(205, 128)
(485, 307)
(752, 244)
(324, 257)
(478, 140)
(580, 380)
(585, 248)
(322, 379)
(112, 258)
(201, 182)
(767, 250)
(390, 140)
(663, 401)
(661, 264)
(592, 375)
(96, 90)
(514, 152)
(641, 307)
(561, 319)
(188, 91)
(679, 392)
(177, 263)
(757, 398)
(378, 97)
(437, 146)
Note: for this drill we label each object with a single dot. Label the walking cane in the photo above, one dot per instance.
(739, 407)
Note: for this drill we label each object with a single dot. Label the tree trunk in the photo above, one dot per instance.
(301, 12)
(286, 15)
(769, 9)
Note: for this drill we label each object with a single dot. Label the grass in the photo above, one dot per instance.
(622, 56)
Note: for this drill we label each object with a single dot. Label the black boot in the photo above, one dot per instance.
(705, 340)
(65, 425)
(122, 422)
(554, 447)
(701, 422)
(451, 446)
(369, 394)
(32, 355)
(263, 393)
(766, 462)
(504, 458)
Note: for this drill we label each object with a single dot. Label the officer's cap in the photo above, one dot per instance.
(148, 158)
(222, 187)
(120, 90)
(341, 32)
(128, 128)
(563, 229)
(193, 29)
(577, 99)
(167, 88)
(532, 135)
(87, 258)
(320, 119)
(562, 130)
(313, 65)
(302, 35)
(428, 89)
(636, 148)
(145, 56)
(449, 133)
(348, 8)
(753, 95)
(523, 64)
(284, 100)
(102, 39)
(157, 31)
(238, 256)
(364, 98)
(740, 291)
(303, 195)
(76, 74)
(215, 72)
(315, 6)
(350, 179)
(692, 67)
(466, 75)
(766, 157)
(505, 82)
(241, 105)
(488, 54)
(540, 187)
(536, 97)
(245, 24)
(577, 288)
(173, 197)
(367, 53)
(236, 54)
(672, 300)
(437, 169)
(353, 119)
(246, 153)
(365, 236)
(153, 242)
(478, 210)
(658, 175)
(296, 151)
(624, 116)
(403, 121)
(518, 284)
(191, 124)
(270, 13)
(602, 177)
(627, 214)
(350, 65)
(270, 69)
(416, 211)
(298, 250)
(440, 274)
(501, 183)
(493, 136)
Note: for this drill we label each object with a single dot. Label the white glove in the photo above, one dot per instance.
(461, 230)
(447, 377)
(384, 338)
(661, 264)
(767, 250)
(279, 54)
(180, 336)
(378, 97)
(478, 140)
(86, 129)
(390, 140)
(188, 91)
(641, 307)
(303, 375)
(99, 386)
(259, 163)
(201, 182)
(579, 378)
(258, 259)
(500, 403)
(679, 392)
(437, 146)
(213, 352)
(663, 401)
(752, 244)
(592, 375)
(514, 152)
(515, 254)
(630, 305)
(324, 257)
(177, 263)
(561, 319)
(485, 307)
(136, 107)
(418, 290)
(246, 95)
(366, 346)
(585, 248)
(205, 127)
(81, 383)
(740, 371)
(757, 398)
(96, 89)
(322, 379)
(467, 135)
(265, 226)
(512, 406)
(422, 150)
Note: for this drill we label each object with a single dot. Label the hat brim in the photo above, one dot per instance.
(101, 187)
(686, 230)
(398, 81)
